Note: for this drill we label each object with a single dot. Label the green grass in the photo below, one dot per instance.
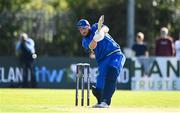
(51, 100)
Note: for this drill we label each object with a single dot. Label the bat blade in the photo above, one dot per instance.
(100, 22)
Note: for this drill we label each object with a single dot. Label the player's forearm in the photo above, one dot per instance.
(93, 44)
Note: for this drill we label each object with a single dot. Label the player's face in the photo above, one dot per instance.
(84, 31)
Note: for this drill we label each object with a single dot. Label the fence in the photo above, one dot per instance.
(153, 73)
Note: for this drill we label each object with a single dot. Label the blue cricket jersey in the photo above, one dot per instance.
(104, 47)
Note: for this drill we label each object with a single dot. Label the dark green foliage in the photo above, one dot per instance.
(52, 23)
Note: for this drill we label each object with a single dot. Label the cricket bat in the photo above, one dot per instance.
(100, 22)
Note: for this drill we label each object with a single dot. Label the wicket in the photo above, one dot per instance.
(81, 68)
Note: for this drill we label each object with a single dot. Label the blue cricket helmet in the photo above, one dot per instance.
(83, 23)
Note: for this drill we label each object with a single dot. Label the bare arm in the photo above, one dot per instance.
(173, 49)
(146, 53)
(93, 44)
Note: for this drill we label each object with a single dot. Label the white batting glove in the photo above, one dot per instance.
(104, 29)
(98, 36)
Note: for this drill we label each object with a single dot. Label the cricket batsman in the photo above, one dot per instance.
(108, 55)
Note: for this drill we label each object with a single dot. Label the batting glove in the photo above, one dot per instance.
(98, 36)
(104, 29)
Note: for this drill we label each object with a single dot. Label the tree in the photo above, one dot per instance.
(52, 23)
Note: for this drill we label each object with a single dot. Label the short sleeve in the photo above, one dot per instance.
(94, 27)
(18, 44)
(146, 47)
